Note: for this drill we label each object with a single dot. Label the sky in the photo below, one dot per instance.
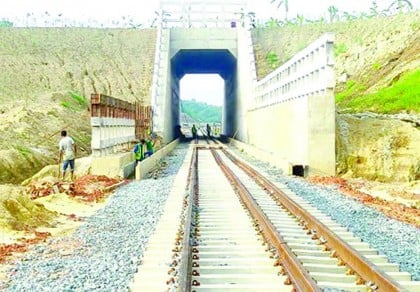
(143, 11)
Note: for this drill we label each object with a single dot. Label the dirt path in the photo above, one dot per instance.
(400, 201)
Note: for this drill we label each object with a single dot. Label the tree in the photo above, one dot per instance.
(374, 8)
(348, 16)
(400, 5)
(274, 22)
(333, 11)
(284, 3)
(5, 23)
(247, 15)
(300, 19)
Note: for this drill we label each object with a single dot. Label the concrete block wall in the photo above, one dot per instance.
(293, 111)
(110, 134)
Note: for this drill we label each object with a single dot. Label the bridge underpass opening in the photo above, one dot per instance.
(203, 88)
(206, 61)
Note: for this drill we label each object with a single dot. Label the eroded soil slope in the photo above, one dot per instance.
(47, 77)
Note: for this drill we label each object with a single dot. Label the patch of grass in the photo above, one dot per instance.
(376, 66)
(358, 40)
(74, 102)
(403, 95)
(81, 100)
(340, 49)
(25, 151)
(68, 105)
(352, 89)
(272, 59)
(415, 26)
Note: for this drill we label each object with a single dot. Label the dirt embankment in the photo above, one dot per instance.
(46, 207)
(47, 77)
(377, 147)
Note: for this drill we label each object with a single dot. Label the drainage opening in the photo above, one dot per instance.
(298, 170)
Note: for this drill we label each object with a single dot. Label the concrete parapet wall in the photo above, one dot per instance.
(193, 13)
(151, 162)
(309, 73)
(203, 38)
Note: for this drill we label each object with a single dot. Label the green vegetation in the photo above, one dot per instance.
(25, 151)
(81, 100)
(272, 59)
(76, 102)
(5, 23)
(335, 15)
(402, 95)
(376, 66)
(202, 112)
(340, 49)
(352, 89)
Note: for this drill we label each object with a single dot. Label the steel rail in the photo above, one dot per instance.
(298, 275)
(360, 264)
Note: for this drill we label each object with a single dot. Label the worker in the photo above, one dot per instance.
(138, 152)
(208, 130)
(194, 132)
(67, 154)
(149, 147)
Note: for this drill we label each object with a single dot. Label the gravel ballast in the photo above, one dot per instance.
(104, 253)
(399, 241)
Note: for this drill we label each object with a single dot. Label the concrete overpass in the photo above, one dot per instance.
(287, 118)
(290, 114)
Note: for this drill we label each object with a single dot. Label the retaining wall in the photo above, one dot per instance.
(293, 112)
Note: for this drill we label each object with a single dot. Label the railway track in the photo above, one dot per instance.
(240, 232)
(314, 252)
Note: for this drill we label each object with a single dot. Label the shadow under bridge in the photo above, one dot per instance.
(206, 61)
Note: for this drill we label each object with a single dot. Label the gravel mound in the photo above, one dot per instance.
(103, 254)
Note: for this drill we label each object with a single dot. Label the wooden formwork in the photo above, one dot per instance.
(143, 120)
(110, 107)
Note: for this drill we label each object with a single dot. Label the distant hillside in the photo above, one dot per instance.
(202, 112)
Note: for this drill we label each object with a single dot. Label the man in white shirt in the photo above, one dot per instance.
(68, 152)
